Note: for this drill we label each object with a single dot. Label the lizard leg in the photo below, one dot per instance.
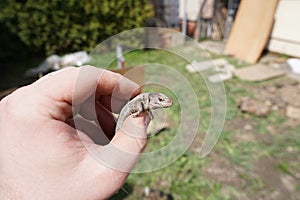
(150, 114)
(139, 110)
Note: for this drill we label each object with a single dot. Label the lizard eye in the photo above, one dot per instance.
(160, 99)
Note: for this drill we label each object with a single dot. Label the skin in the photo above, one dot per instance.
(41, 154)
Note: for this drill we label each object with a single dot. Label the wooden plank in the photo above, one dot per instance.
(286, 26)
(286, 47)
(251, 29)
(285, 37)
(135, 74)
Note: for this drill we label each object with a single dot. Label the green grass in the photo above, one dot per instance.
(283, 166)
(186, 178)
(182, 179)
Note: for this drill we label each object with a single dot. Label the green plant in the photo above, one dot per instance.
(56, 26)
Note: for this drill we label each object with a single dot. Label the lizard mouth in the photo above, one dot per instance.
(168, 102)
(159, 100)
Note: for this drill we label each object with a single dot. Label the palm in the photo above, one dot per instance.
(42, 155)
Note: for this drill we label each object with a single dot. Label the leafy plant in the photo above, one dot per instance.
(56, 26)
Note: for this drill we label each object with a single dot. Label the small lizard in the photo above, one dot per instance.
(144, 102)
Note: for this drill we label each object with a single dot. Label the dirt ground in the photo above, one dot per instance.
(271, 182)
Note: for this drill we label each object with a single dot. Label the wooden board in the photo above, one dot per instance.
(287, 47)
(285, 37)
(251, 29)
(135, 74)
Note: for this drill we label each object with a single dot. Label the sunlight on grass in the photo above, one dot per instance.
(184, 179)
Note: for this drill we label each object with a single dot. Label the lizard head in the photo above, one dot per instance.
(158, 100)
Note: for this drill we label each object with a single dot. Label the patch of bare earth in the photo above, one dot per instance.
(282, 95)
(244, 130)
(225, 172)
(277, 184)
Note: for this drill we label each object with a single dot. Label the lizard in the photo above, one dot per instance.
(144, 102)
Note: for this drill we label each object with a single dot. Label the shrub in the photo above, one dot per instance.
(56, 26)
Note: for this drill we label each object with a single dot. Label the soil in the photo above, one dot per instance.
(276, 185)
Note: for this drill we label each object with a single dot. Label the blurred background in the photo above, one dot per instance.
(255, 47)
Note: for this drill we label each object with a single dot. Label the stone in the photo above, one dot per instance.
(198, 66)
(50, 63)
(288, 182)
(77, 58)
(258, 72)
(248, 105)
(290, 149)
(291, 95)
(213, 46)
(55, 62)
(293, 112)
(294, 64)
(248, 127)
(275, 107)
(271, 58)
(272, 89)
(268, 103)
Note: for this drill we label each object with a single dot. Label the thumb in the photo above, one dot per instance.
(123, 152)
(132, 135)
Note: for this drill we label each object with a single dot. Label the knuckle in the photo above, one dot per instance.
(12, 104)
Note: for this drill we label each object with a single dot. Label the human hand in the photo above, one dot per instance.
(42, 155)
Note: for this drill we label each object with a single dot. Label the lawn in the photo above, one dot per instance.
(254, 158)
(260, 162)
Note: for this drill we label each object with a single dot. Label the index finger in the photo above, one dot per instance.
(75, 85)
